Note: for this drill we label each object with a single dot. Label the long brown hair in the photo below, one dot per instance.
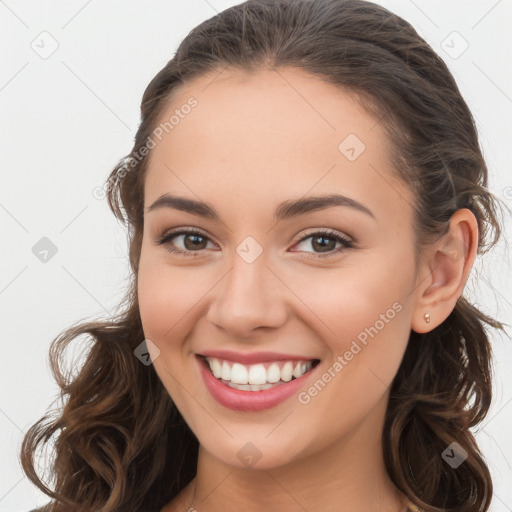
(119, 442)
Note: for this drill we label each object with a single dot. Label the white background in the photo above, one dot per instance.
(67, 119)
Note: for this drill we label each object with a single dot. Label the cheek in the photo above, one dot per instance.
(363, 317)
(166, 297)
(352, 300)
(156, 304)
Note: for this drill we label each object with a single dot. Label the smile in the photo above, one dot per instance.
(254, 387)
(257, 377)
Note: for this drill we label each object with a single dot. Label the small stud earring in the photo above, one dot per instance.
(427, 317)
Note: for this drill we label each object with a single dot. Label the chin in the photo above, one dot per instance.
(253, 452)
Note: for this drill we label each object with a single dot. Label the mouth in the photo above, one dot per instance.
(257, 377)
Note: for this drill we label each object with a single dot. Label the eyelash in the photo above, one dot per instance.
(165, 239)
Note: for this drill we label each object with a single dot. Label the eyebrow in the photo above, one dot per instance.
(285, 210)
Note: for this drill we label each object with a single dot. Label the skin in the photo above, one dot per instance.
(253, 141)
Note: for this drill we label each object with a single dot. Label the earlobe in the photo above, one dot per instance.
(447, 265)
(423, 324)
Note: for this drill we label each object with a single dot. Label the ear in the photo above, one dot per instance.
(444, 270)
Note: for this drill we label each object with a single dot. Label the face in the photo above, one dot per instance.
(257, 282)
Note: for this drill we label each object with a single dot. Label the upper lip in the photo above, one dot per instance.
(253, 357)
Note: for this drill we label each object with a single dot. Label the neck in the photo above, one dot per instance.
(349, 475)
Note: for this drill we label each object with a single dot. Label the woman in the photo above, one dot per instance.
(305, 198)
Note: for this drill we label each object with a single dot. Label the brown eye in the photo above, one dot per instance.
(196, 242)
(324, 243)
(192, 241)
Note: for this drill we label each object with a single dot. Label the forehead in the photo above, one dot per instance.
(279, 132)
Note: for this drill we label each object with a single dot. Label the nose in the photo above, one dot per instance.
(249, 297)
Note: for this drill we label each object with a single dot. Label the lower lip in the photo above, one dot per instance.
(240, 400)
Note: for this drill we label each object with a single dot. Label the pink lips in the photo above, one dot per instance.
(253, 358)
(254, 401)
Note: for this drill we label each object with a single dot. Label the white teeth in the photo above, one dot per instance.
(226, 371)
(239, 374)
(216, 368)
(251, 387)
(256, 377)
(273, 373)
(257, 374)
(287, 371)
